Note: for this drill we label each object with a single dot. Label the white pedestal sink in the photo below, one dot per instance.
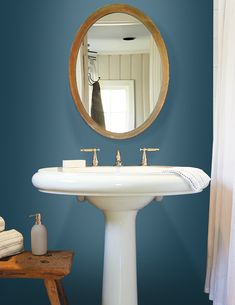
(119, 192)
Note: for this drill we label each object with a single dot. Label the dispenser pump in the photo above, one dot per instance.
(37, 218)
(38, 236)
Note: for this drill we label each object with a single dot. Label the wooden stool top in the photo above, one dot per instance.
(53, 265)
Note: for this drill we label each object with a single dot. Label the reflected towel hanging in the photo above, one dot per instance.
(97, 112)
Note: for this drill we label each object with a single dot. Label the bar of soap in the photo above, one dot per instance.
(74, 163)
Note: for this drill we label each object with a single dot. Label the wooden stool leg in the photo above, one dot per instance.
(52, 292)
(60, 288)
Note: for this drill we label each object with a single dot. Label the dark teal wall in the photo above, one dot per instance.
(40, 127)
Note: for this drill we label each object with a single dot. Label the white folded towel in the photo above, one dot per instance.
(10, 238)
(11, 243)
(196, 177)
(12, 250)
(2, 224)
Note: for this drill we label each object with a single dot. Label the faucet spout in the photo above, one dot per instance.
(118, 161)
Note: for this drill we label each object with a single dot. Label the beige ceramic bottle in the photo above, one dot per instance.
(38, 236)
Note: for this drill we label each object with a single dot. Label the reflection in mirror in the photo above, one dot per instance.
(119, 72)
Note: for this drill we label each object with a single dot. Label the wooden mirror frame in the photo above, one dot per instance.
(109, 9)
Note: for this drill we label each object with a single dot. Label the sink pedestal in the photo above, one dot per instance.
(119, 277)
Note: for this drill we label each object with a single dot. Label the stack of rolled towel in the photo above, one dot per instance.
(11, 241)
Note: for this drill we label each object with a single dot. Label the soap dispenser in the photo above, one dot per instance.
(38, 236)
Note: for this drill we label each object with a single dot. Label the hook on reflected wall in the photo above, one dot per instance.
(91, 81)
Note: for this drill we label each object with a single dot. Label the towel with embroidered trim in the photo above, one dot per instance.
(195, 177)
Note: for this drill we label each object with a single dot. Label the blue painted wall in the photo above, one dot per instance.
(40, 126)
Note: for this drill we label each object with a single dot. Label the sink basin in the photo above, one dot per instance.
(120, 192)
(110, 181)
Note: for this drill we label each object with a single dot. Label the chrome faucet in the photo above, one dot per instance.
(118, 159)
(94, 158)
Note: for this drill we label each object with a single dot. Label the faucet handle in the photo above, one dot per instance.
(144, 160)
(94, 158)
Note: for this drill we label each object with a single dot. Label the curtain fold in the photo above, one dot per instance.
(155, 74)
(81, 74)
(220, 277)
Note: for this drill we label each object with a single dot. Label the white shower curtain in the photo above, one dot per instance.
(155, 74)
(220, 278)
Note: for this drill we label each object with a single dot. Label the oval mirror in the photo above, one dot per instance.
(119, 71)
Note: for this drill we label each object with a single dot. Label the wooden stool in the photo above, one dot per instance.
(51, 267)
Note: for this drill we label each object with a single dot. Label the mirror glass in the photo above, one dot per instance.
(119, 75)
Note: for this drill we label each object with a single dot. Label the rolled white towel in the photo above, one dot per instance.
(11, 242)
(196, 177)
(2, 224)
